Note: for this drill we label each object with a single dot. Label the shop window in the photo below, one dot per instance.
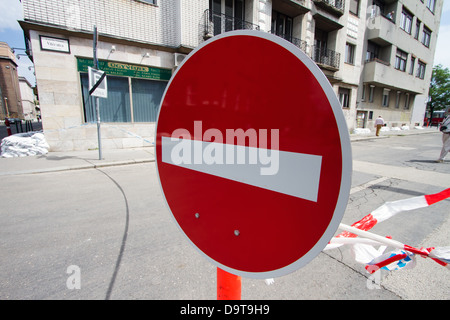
(115, 108)
(147, 95)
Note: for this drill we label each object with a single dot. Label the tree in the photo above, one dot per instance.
(439, 93)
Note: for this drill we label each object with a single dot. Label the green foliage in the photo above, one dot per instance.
(439, 93)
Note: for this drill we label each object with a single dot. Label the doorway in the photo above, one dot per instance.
(361, 119)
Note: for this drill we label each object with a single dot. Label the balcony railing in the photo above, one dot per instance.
(333, 6)
(326, 57)
(296, 41)
(216, 23)
(386, 63)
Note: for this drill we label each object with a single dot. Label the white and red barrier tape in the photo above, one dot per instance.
(404, 255)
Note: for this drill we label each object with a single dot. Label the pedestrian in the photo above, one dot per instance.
(445, 129)
(379, 122)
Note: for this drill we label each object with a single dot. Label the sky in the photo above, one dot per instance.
(11, 33)
(442, 55)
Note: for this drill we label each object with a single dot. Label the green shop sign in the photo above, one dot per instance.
(125, 69)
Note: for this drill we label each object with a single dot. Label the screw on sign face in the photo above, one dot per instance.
(253, 154)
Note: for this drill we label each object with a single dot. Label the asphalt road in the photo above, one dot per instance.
(108, 232)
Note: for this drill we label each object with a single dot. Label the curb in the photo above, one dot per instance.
(357, 137)
(78, 167)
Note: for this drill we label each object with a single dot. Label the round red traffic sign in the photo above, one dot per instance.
(253, 154)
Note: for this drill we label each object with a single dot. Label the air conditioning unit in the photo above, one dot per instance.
(179, 57)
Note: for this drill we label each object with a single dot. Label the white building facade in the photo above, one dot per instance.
(28, 99)
(376, 65)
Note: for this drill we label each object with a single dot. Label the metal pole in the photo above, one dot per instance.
(6, 106)
(97, 107)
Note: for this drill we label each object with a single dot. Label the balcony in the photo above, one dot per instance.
(291, 8)
(326, 58)
(335, 7)
(381, 30)
(383, 74)
(215, 23)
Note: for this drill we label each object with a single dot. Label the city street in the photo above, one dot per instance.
(106, 233)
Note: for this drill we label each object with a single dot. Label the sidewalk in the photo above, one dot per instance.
(74, 160)
(387, 134)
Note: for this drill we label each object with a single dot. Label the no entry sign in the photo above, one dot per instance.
(253, 154)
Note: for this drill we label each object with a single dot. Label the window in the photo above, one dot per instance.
(411, 67)
(421, 70)
(397, 99)
(431, 5)
(350, 53)
(344, 97)
(282, 25)
(400, 60)
(371, 93)
(406, 21)
(226, 15)
(385, 102)
(407, 101)
(372, 51)
(426, 36)
(354, 7)
(416, 35)
(377, 8)
(145, 94)
(149, 1)
(115, 108)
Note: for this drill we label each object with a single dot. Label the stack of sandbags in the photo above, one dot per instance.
(361, 131)
(24, 144)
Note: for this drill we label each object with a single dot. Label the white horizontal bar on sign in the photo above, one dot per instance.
(294, 174)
